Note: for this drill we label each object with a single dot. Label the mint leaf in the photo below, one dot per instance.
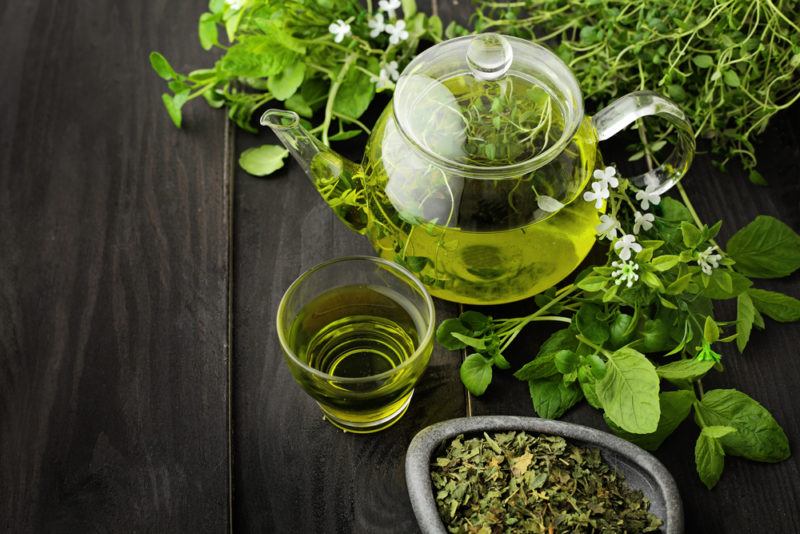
(629, 391)
(588, 382)
(765, 248)
(261, 55)
(285, 84)
(675, 406)
(589, 324)
(477, 321)
(709, 456)
(540, 367)
(476, 373)
(703, 61)
(758, 436)
(726, 285)
(444, 334)
(207, 31)
(551, 397)
(173, 104)
(162, 66)
(469, 341)
(682, 370)
(566, 361)
(263, 160)
(355, 94)
(777, 306)
(745, 315)
(559, 340)
(298, 104)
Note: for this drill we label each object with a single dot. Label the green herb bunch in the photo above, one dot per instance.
(729, 64)
(323, 59)
(641, 330)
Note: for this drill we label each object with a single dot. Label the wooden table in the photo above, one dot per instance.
(141, 382)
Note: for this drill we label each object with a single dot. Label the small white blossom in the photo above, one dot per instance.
(397, 32)
(377, 25)
(548, 204)
(607, 176)
(642, 222)
(235, 5)
(598, 193)
(648, 196)
(387, 76)
(707, 260)
(608, 227)
(391, 70)
(339, 28)
(625, 245)
(625, 273)
(389, 7)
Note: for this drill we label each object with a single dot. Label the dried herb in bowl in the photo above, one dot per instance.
(517, 482)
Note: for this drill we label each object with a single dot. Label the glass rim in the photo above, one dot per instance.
(402, 273)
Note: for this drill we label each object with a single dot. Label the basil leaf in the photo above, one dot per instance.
(765, 248)
(709, 456)
(552, 397)
(263, 160)
(675, 406)
(745, 315)
(777, 306)
(629, 392)
(758, 436)
(476, 373)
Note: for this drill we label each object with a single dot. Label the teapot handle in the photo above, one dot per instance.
(625, 110)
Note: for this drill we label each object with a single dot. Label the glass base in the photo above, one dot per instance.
(371, 426)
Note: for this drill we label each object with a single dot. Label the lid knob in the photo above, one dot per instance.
(489, 56)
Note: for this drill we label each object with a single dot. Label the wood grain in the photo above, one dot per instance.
(750, 497)
(113, 276)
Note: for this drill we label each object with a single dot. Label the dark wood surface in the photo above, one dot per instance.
(114, 271)
(142, 386)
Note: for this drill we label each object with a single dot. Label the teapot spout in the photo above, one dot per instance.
(337, 179)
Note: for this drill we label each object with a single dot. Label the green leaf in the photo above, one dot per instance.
(674, 406)
(262, 55)
(476, 373)
(709, 459)
(777, 306)
(299, 105)
(726, 285)
(758, 436)
(263, 160)
(621, 330)
(343, 136)
(285, 84)
(691, 234)
(409, 8)
(560, 339)
(682, 370)
(500, 361)
(680, 284)
(674, 210)
(588, 383)
(593, 283)
(731, 79)
(542, 366)
(173, 104)
(718, 432)
(765, 248)
(475, 320)
(207, 31)
(469, 341)
(710, 330)
(435, 27)
(446, 329)
(162, 66)
(566, 361)
(552, 397)
(355, 94)
(655, 336)
(756, 177)
(590, 325)
(745, 315)
(665, 262)
(629, 391)
(415, 264)
(703, 61)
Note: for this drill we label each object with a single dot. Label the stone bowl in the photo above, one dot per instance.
(641, 469)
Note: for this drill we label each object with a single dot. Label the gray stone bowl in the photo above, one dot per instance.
(641, 469)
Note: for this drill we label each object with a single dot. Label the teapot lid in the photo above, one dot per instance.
(488, 103)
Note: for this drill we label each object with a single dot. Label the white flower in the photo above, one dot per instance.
(600, 193)
(625, 244)
(648, 196)
(548, 204)
(608, 227)
(235, 5)
(642, 222)
(389, 7)
(387, 76)
(377, 25)
(626, 272)
(391, 70)
(707, 260)
(397, 32)
(339, 28)
(608, 176)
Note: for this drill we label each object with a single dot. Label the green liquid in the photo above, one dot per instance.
(358, 335)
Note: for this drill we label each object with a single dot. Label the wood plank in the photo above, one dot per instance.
(750, 497)
(113, 276)
(293, 471)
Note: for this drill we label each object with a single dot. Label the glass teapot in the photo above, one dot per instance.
(473, 175)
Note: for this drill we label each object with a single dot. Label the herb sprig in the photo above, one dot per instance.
(729, 64)
(323, 59)
(642, 330)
